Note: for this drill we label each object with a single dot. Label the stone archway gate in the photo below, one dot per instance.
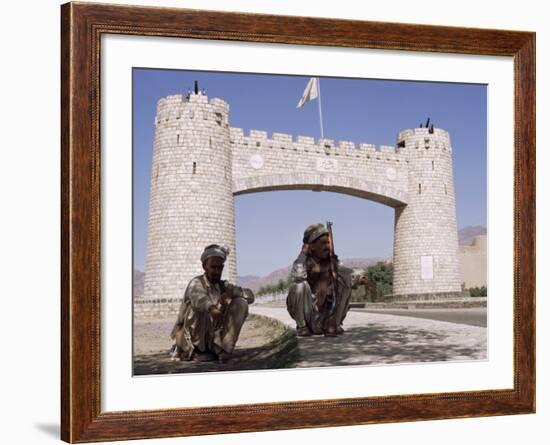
(200, 163)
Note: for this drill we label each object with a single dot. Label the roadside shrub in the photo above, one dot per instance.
(478, 291)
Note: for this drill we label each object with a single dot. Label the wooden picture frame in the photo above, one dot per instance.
(82, 26)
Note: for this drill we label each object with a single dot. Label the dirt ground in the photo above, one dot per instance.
(264, 343)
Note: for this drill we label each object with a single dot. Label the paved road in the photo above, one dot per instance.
(378, 338)
(469, 316)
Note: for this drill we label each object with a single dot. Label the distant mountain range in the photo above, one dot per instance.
(139, 281)
(467, 234)
(254, 282)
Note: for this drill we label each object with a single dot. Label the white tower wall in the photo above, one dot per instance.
(191, 201)
(426, 242)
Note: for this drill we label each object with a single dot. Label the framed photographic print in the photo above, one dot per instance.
(331, 222)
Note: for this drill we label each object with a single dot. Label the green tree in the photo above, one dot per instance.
(382, 274)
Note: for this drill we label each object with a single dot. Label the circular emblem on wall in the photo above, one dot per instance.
(391, 173)
(256, 161)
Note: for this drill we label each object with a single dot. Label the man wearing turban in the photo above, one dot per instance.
(311, 299)
(212, 311)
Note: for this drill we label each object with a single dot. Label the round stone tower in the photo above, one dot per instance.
(425, 257)
(191, 201)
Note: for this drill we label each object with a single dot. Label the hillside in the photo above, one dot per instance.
(255, 283)
(468, 233)
(139, 281)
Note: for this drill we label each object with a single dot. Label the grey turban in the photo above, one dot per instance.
(313, 232)
(215, 250)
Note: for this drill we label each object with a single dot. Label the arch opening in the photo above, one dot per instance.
(269, 229)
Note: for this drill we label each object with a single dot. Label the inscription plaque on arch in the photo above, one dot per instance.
(327, 165)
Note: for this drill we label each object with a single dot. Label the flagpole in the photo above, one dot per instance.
(320, 112)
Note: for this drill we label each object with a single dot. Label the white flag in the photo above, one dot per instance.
(311, 92)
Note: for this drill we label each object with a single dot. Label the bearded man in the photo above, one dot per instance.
(317, 301)
(212, 312)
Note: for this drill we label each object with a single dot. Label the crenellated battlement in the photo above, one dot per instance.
(424, 138)
(437, 132)
(172, 109)
(260, 140)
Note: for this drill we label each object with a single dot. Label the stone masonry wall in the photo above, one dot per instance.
(160, 309)
(282, 162)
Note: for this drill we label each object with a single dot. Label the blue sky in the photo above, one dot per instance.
(359, 110)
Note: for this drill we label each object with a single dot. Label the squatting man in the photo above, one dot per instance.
(320, 293)
(212, 312)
